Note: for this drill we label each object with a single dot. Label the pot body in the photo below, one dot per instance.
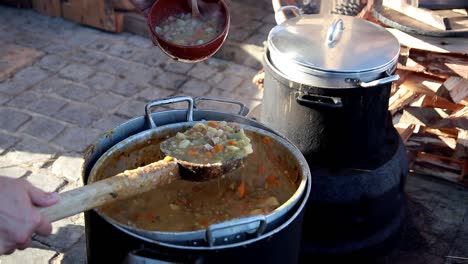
(113, 243)
(334, 127)
(135, 150)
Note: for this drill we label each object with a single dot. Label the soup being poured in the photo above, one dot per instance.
(185, 30)
(268, 179)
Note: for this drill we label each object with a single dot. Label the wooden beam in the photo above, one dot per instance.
(95, 13)
(48, 7)
(420, 14)
(123, 5)
(135, 23)
(444, 45)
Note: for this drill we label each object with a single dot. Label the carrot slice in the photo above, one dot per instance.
(232, 143)
(212, 124)
(192, 152)
(217, 148)
(261, 169)
(241, 189)
(267, 140)
(273, 180)
(208, 155)
(151, 216)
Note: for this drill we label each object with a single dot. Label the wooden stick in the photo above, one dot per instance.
(118, 187)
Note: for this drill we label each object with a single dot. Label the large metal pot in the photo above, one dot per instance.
(224, 237)
(327, 85)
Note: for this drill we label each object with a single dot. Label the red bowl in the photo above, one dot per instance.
(162, 9)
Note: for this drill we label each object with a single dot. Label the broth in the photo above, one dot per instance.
(183, 29)
(268, 179)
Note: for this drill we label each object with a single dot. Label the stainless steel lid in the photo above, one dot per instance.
(333, 46)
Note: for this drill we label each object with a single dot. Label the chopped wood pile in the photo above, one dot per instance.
(429, 104)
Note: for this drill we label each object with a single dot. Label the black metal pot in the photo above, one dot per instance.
(330, 126)
(108, 242)
(325, 91)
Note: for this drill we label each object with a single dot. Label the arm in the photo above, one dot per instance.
(19, 214)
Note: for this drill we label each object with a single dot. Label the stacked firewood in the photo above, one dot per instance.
(429, 105)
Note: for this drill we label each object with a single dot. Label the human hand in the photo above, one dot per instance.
(19, 213)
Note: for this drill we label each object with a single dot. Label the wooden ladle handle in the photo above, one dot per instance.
(120, 186)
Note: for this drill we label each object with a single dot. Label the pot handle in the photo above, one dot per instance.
(280, 16)
(385, 80)
(243, 111)
(319, 100)
(252, 224)
(170, 100)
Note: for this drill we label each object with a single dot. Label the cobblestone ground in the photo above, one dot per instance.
(61, 85)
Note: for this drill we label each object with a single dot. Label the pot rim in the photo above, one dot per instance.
(197, 236)
(297, 79)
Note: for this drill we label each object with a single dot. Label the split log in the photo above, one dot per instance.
(425, 116)
(458, 119)
(422, 83)
(444, 64)
(455, 89)
(402, 98)
(405, 131)
(444, 132)
(439, 166)
(435, 102)
(433, 144)
(461, 149)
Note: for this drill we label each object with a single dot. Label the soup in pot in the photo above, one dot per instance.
(267, 180)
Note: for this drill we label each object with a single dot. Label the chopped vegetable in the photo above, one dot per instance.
(183, 29)
(267, 140)
(241, 189)
(209, 142)
(273, 180)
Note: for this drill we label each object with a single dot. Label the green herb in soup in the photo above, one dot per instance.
(209, 142)
(185, 30)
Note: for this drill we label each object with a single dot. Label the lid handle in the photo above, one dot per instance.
(334, 32)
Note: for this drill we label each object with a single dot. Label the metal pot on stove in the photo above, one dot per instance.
(127, 146)
(327, 85)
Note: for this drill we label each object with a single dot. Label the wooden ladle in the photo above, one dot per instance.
(133, 182)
